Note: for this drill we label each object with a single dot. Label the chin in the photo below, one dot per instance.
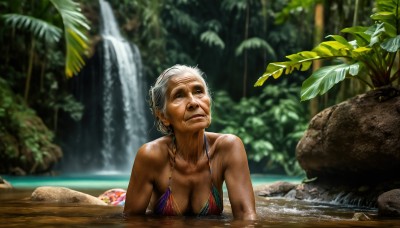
(198, 126)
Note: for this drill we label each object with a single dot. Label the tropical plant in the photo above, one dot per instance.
(370, 57)
(26, 143)
(270, 126)
(46, 27)
(75, 27)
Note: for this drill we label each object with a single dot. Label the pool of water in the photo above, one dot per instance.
(109, 180)
(16, 210)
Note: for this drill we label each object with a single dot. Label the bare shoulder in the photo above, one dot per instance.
(229, 150)
(153, 153)
(226, 143)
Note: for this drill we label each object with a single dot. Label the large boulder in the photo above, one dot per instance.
(389, 203)
(279, 188)
(64, 196)
(5, 184)
(356, 140)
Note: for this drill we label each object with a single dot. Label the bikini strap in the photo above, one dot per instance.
(174, 155)
(172, 162)
(206, 149)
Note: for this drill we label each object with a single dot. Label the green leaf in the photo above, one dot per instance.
(294, 9)
(341, 40)
(385, 5)
(325, 78)
(300, 61)
(381, 31)
(361, 52)
(333, 49)
(303, 60)
(362, 38)
(383, 16)
(391, 44)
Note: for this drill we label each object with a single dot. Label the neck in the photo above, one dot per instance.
(190, 147)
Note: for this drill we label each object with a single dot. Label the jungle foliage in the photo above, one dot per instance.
(230, 40)
(369, 56)
(270, 125)
(26, 145)
(35, 63)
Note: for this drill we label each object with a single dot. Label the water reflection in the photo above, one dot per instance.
(17, 210)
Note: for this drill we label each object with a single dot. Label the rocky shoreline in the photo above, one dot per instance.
(384, 196)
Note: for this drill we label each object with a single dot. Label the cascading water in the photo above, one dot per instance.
(111, 88)
(122, 72)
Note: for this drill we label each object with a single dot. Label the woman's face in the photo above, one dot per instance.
(187, 104)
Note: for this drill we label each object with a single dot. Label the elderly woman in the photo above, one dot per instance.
(182, 173)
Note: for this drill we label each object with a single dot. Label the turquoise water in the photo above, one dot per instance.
(107, 181)
(71, 181)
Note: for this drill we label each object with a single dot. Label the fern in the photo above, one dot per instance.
(212, 39)
(254, 43)
(231, 5)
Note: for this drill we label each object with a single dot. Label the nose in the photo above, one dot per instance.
(192, 104)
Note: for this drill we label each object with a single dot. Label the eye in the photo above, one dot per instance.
(199, 90)
(178, 95)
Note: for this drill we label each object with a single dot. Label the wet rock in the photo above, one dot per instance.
(279, 188)
(389, 204)
(359, 216)
(334, 191)
(17, 171)
(64, 195)
(356, 140)
(5, 184)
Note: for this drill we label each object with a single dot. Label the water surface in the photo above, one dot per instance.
(16, 210)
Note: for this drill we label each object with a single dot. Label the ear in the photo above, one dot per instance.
(161, 116)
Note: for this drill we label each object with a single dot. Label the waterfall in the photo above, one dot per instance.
(112, 89)
(122, 80)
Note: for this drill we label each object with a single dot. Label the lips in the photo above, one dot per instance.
(195, 116)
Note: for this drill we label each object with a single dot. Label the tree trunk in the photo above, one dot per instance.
(349, 88)
(246, 35)
(318, 36)
(29, 73)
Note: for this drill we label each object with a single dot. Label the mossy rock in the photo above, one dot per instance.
(26, 143)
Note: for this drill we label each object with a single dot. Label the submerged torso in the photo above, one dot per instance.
(189, 188)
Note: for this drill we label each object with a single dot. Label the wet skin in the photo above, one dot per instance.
(188, 112)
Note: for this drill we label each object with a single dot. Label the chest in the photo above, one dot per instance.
(190, 186)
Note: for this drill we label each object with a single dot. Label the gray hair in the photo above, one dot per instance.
(158, 92)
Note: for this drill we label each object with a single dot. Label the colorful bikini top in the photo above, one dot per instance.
(166, 205)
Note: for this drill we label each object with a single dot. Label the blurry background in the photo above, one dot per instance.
(94, 119)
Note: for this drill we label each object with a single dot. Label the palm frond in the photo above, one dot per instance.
(75, 27)
(39, 28)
